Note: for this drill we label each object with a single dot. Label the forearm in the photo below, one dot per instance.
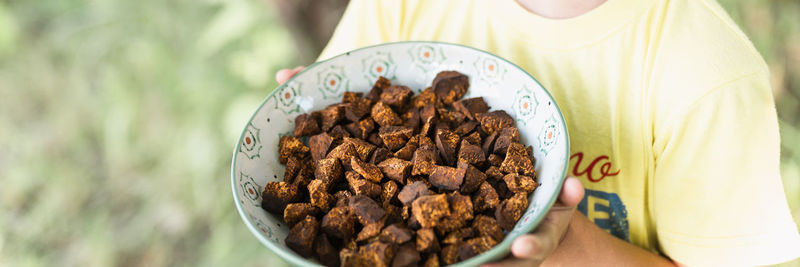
(585, 244)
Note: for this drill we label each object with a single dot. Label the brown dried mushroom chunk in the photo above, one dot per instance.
(471, 106)
(366, 209)
(510, 210)
(290, 146)
(277, 195)
(295, 212)
(447, 178)
(367, 170)
(450, 86)
(517, 161)
(301, 236)
(340, 222)
(412, 191)
(396, 169)
(396, 95)
(305, 125)
(429, 210)
(495, 121)
(327, 253)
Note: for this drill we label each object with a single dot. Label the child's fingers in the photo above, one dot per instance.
(285, 74)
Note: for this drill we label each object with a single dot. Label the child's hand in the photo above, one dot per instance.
(285, 74)
(532, 249)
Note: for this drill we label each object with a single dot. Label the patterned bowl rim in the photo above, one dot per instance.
(501, 249)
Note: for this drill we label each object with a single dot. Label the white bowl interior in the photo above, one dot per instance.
(414, 64)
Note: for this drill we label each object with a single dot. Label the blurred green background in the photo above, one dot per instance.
(117, 120)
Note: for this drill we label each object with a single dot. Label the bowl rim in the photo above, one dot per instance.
(499, 250)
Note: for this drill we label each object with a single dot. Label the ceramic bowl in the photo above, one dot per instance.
(502, 84)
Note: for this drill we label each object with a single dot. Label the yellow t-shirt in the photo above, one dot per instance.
(668, 105)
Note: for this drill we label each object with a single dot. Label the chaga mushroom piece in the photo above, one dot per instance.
(517, 161)
(383, 115)
(450, 86)
(407, 152)
(475, 246)
(495, 121)
(327, 254)
(296, 212)
(475, 139)
(332, 115)
(363, 148)
(320, 144)
(366, 209)
(494, 173)
(301, 236)
(294, 167)
(466, 128)
(277, 195)
(344, 153)
(342, 197)
(485, 198)
(458, 235)
(370, 230)
(395, 233)
(520, 183)
(396, 169)
(361, 186)
(510, 210)
(447, 143)
(424, 98)
(429, 210)
(290, 146)
(411, 192)
(374, 94)
(367, 170)
(378, 254)
(432, 261)
(487, 226)
(507, 136)
(411, 119)
(357, 109)
(406, 256)
(337, 132)
(362, 128)
(461, 212)
(329, 171)
(471, 106)
(471, 154)
(305, 125)
(447, 178)
(319, 196)
(449, 254)
(495, 160)
(473, 178)
(427, 241)
(350, 97)
(389, 192)
(395, 137)
(340, 222)
(379, 155)
(396, 95)
(424, 161)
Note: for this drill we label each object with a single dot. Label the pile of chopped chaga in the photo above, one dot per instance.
(397, 179)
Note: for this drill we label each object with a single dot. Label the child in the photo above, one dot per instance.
(670, 114)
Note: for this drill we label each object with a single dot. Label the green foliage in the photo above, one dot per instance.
(118, 123)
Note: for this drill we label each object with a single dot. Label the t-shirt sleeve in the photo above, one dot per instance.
(365, 23)
(718, 198)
